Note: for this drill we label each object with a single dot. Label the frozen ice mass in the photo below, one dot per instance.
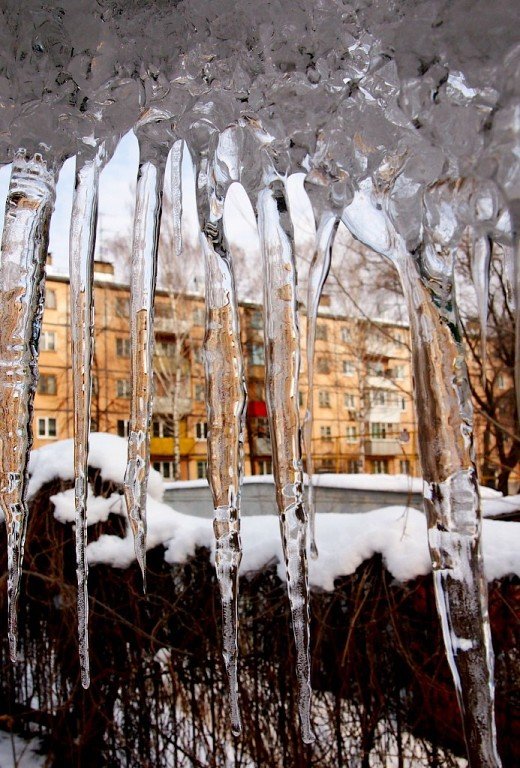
(404, 119)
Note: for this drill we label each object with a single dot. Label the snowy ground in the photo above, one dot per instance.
(16, 752)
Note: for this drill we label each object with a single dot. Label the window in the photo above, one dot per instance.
(300, 398)
(404, 466)
(122, 307)
(165, 348)
(326, 465)
(124, 388)
(376, 369)
(48, 341)
(349, 400)
(349, 368)
(165, 468)
(202, 470)
(380, 467)
(50, 299)
(325, 433)
(162, 429)
(201, 430)
(257, 324)
(47, 427)
(399, 372)
(200, 394)
(353, 466)
(352, 434)
(322, 365)
(324, 398)
(47, 384)
(378, 397)
(122, 347)
(94, 425)
(403, 404)
(199, 316)
(345, 334)
(198, 355)
(321, 332)
(257, 356)
(123, 427)
(378, 430)
(163, 310)
(265, 467)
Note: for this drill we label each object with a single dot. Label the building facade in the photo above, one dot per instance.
(362, 393)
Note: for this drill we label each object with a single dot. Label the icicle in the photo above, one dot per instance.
(452, 503)
(282, 370)
(445, 434)
(480, 261)
(24, 250)
(81, 255)
(319, 270)
(226, 403)
(142, 290)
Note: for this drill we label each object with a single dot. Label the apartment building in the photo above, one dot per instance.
(362, 393)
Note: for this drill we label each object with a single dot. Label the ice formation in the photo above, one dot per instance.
(404, 118)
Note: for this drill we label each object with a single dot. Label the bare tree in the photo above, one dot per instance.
(492, 376)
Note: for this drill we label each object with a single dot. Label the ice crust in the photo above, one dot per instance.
(429, 88)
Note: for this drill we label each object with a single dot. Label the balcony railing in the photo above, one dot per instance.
(382, 447)
(165, 405)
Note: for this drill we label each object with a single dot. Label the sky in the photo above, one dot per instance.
(117, 200)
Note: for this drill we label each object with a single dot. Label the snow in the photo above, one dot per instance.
(345, 541)
(107, 452)
(501, 506)
(16, 752)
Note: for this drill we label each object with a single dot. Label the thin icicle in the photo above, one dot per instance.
(480, 261)
(318, 273)
(282, 371)
(226, 403)
(445, 435)
(142, 290)
(25, 240)
(81, 255)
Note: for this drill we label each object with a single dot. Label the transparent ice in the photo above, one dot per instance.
(405, 123)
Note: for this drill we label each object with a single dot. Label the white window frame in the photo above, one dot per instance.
(44, 427)
(201, 430)
(349, 369)
(324, 398)
(48, 341)
(123, 388)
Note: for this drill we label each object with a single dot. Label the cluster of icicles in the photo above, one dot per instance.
(442, 393)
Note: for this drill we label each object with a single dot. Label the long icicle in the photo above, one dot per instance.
(226, 403)
(142, 291)
(226, 398)
(25, 239)
(318, 273)
(452, 503)
(446, 449)
(81, 256)
(282, 371)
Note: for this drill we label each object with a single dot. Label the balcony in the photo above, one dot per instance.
(382, 447)
(169, 325)
(163, 446)
(164, 405)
